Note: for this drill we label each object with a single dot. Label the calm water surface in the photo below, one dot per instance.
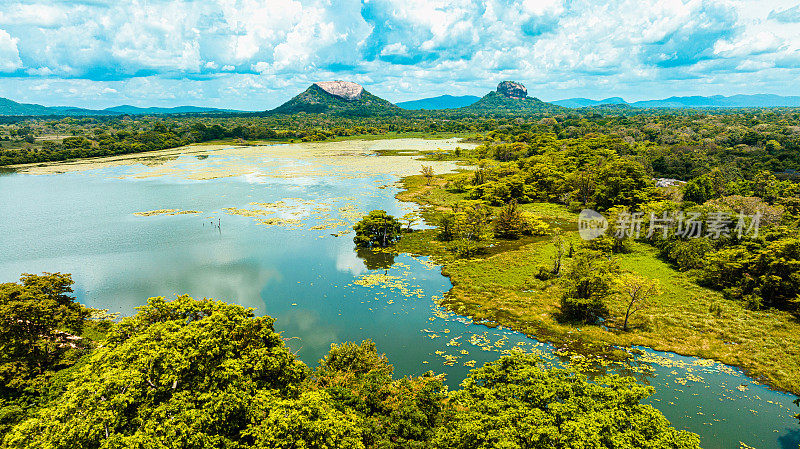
(312, 281)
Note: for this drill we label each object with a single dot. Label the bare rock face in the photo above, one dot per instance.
(345, 90)
(512, 89)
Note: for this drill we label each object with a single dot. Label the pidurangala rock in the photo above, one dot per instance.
(512, 89)
(345, 90)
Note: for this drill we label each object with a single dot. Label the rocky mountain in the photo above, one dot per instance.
(511, 98)
(440, 102)
(337, 97)
(346, 90)
(512, 89)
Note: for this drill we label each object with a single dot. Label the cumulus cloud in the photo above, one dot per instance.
(400, 48)
(9, 54)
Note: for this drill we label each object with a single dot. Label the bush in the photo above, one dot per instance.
(509, 222)
(603, 244)
(466, 247)
(544, 273)
(688, 254)
(535, 226)
(583, 310)
(447, 227)
(575, 206)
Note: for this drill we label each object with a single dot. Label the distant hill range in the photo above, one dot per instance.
(9, 107)
(347, 98)
(337, 97)
(716, 101)
(440, 102)
(585, 102)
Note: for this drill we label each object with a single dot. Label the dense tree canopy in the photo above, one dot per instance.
(513, 403)
(183, 373)
(202, 373)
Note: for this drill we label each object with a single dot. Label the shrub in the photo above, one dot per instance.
(535, 225)
(447, 227)
(583, 310)
(688, 254)
(544, 272)
(509, 222)
(466, 247)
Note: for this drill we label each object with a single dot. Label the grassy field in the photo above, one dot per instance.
(499, 288)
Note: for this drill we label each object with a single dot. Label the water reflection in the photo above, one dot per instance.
(376, 259)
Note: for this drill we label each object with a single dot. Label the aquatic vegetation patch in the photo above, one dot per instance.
(389, 282)
(151, 213)
(283, 222)
(296, 214)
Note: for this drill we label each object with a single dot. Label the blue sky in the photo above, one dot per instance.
(255, 54)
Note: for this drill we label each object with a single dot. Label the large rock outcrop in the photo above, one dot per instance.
(512, 89)
(512, 98)
(345, 90)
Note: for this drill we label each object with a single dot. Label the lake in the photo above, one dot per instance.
(270, 227)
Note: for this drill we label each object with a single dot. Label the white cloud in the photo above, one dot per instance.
(36, 14)
(406, 48)
(394, 49)
(9, 53)
(40, 71)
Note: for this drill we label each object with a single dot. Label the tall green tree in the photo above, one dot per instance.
(393, 413)
(587, 283)
(623, 182)
(39, 326)
(377, 229)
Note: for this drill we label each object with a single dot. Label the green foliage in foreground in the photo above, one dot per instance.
(43, 334)
(190, 373)
(37, 320)
(513, 403)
